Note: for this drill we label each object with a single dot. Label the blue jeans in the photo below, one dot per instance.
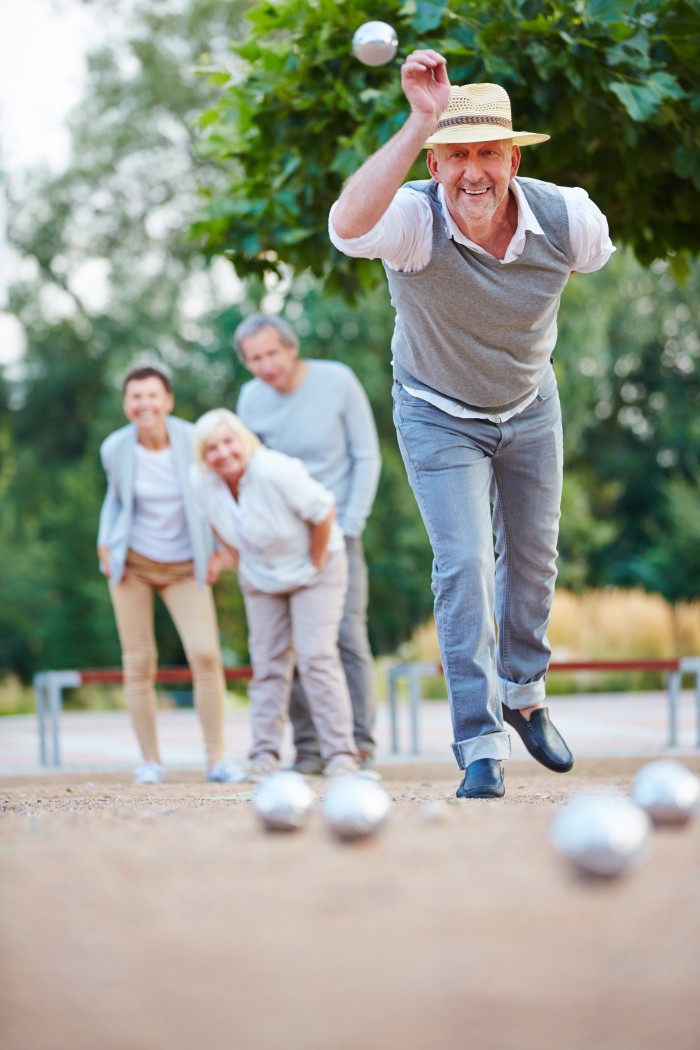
(473, 480)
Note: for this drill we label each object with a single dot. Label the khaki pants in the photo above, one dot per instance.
(192, 610)
(304, 624)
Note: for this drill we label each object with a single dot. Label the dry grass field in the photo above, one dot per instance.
(166, 919)
(612, 624)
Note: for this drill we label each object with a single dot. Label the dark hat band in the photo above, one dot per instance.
(450, 122)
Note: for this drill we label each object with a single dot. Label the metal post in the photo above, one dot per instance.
(392, 709)
(691, 665)
(415, 673)
(40, 701)
(55, 706)
(49, 693)
(674, 690)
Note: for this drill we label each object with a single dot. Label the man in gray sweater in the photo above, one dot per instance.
(319, 412)
(476, 261)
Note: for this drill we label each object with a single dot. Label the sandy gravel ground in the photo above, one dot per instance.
(148, 918)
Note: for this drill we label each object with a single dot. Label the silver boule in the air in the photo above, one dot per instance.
(602, 834)
(667, 791)
(283, 801)
(375, 43)
(355, 807)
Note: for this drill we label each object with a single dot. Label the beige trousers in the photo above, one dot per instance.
(302, 623)
(193, 613)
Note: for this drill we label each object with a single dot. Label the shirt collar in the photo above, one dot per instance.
(526, 221)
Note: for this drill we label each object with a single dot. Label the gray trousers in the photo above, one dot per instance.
(356, 658)
(303, 622)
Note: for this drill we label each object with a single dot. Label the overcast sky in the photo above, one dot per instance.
(42, 68)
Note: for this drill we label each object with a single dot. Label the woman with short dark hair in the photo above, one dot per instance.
(152, 540)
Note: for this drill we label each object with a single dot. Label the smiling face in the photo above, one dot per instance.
(223, 452)
(147, 403)
(272, 360)
(476, 178)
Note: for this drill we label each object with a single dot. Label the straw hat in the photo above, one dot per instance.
(479, 113)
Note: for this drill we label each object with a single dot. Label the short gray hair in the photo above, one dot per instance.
(255, 323)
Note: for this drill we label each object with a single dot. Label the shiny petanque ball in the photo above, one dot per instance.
(283, 801)
(667, 791)
(602, 834)
(375, 43)
(355, 807)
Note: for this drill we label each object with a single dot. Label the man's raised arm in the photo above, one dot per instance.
(369, 192)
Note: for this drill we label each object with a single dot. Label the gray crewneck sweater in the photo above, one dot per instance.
(476, 330)
(327, 423)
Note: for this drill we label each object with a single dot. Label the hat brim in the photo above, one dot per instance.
(483, 133)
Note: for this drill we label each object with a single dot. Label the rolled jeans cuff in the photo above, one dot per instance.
(518, 696)
(491, 745)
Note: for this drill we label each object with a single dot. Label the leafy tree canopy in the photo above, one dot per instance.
(614, 82)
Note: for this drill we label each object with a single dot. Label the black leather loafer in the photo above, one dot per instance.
(541, 738)
(482, 779)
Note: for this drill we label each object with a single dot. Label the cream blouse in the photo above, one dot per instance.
(269, 523)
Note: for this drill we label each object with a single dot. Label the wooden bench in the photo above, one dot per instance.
(414, 673)
(48, 693)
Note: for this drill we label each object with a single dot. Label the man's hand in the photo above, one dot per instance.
(425, 83)
(370, 191)
(219, 560)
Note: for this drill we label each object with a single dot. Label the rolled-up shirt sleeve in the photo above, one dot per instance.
(307, 498)
(402, 237)
(588, 229)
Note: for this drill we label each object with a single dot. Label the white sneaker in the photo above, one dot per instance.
(149, 773)
(369, 773)
(226, 772)
(341, 766)
(261, 765)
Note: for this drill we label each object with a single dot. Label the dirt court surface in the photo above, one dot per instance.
(141, 918)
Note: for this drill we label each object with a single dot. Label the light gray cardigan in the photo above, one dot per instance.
(118, 455)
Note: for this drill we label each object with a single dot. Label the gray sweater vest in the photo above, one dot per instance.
(473, 329)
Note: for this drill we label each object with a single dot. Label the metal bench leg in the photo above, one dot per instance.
(55, 704)
(392, 710)
(414, 696)
(674, 692)
(48, 689)
(40, 701)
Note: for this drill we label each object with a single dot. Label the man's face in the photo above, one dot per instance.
(268, 358)
(475, 177)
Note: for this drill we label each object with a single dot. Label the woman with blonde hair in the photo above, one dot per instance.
(278, 525)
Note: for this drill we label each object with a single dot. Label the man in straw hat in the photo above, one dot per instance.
(476, 261)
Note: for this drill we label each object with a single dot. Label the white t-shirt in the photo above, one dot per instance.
(158, 525)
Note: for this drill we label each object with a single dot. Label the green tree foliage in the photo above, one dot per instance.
(108, 279)
(638, 452)
(613, 81)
